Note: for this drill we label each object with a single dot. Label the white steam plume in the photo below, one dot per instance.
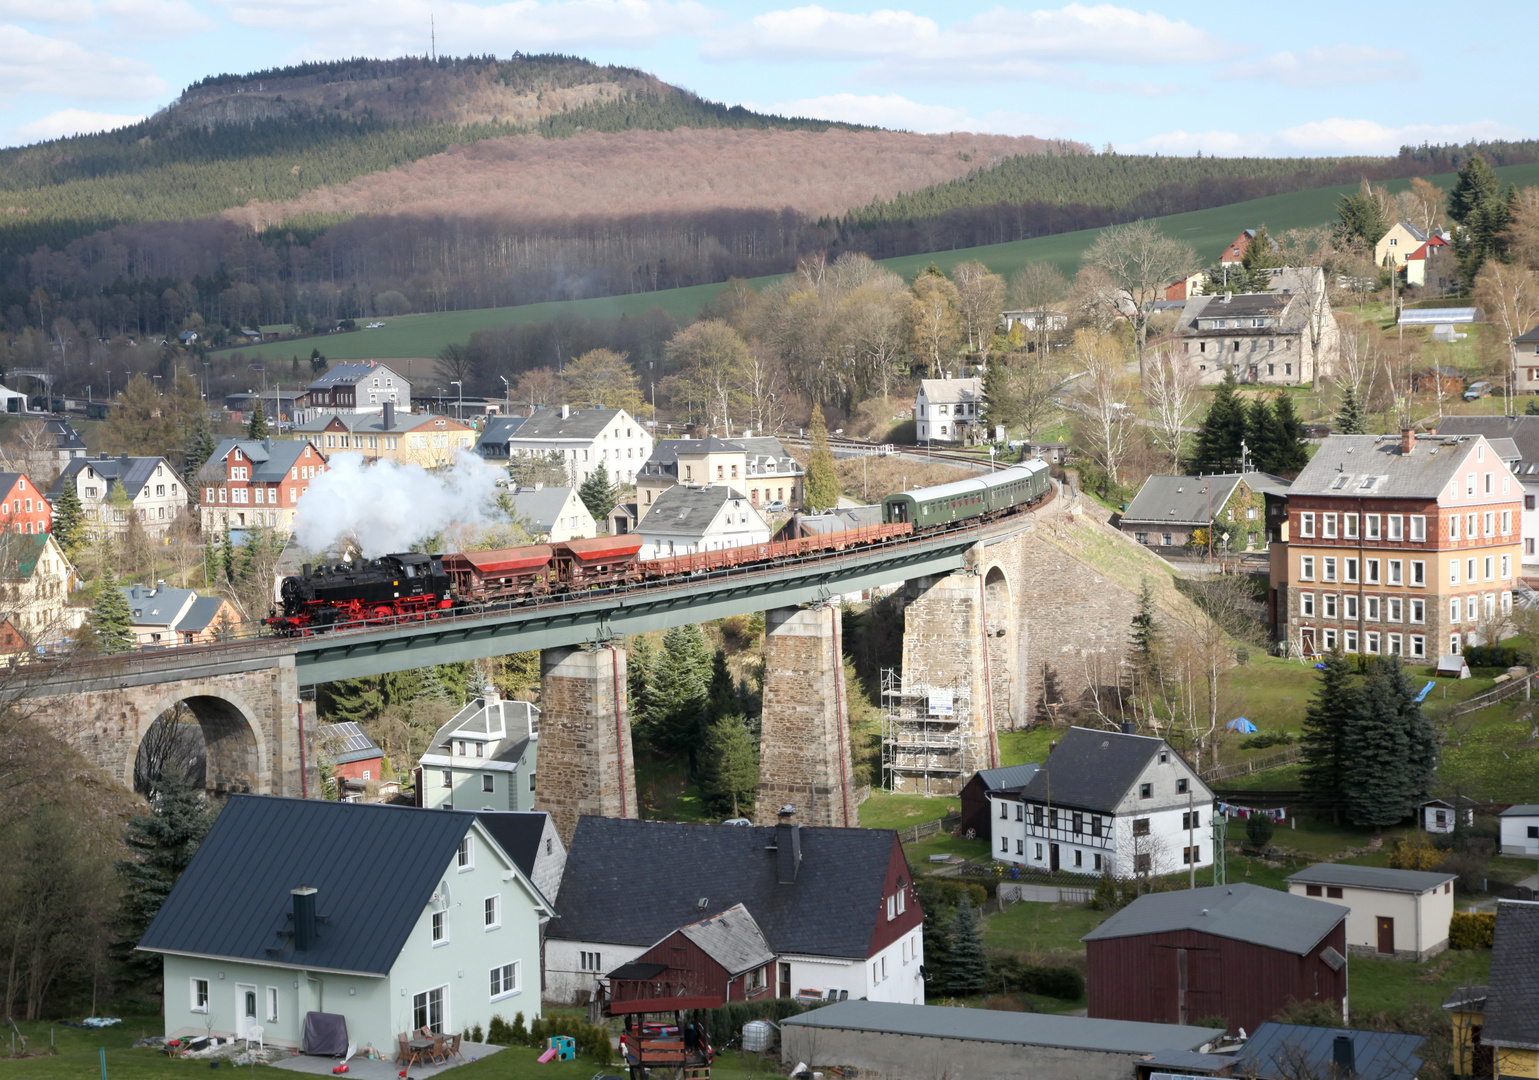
(387, 506)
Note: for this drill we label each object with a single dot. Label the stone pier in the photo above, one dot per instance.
(585, 764)
(804, 758)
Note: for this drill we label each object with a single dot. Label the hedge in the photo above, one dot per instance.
(1008, 973)
(1503, 656)
(1472, 930)
(591, 1039)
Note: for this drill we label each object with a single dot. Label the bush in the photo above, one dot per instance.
(1502, 656)
(1310, 1014)
(937, 893)
(726, 1023)
(1472, 930)
(1112, 893)
(1008, 973)
(1262, 739)
(475, 1034)
(1258, 830)
(1415, 855)
(518, 1034)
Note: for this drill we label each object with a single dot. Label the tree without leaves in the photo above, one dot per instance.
(603, 378)
(532, 470)
(1171, 390)
(456, 363)
(980, 299)
(707, 360)
(1511, 294)
(537, 388)
(822, 485)
(1105, 424)
(1141, 262)
(1039, 287)
(935, 326)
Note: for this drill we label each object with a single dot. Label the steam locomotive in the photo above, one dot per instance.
(418, 586)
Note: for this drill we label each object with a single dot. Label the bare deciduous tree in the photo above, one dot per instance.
(1171, 389)
(1510, 295)
(933, 319)
(1141, 262)
(1099, 395)
(980, 299)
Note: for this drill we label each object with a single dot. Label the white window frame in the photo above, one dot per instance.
(1394, 644)
(1328, 638)
(1329, 605)
(1349, 526)
(491, 912)
(488, 781)
(1371, 566)
(1453, 571)
(1418, 645)
(1328, 568)
(1506, 522)
(1349, 641)
(197, 988)
(465, 857)
(1395, 527)
(1307, 605)
(427, 1007)
(1506, 567)
(1396, 571)
(438, 928)
(1371, 642)
(272, 1005)
(506, 980)
(1307, 524)
(1349, 569)
(1328, 526)
(1306, 567)
(1349, 607)
(1418, 528)
(1418, 612)
(1418, 574)
(1396, 611)
(1489, 566)
(1372, 609)
(1371, 526)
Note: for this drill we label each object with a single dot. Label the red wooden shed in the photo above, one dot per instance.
(1241, 952)
(700, 966)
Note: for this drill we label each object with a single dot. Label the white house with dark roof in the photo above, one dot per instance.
(1520, 829)
(836, 907)
(584, 438)
(364, 386)
(945, 409)
(156, 493)
(758, 466)
(1168, 509)
(483, 758)
(1261, 338)
(391, 917)
(1106, 802)
(1394, 914)
(686, 519)
(553, 514)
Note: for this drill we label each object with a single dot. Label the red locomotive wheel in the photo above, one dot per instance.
(381, 612)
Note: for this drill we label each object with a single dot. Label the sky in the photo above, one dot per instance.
(1298, 78)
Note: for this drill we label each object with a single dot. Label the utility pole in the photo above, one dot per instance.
(1191, 840)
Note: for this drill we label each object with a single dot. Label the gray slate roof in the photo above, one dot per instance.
(1092, 770)
(1268, 917)
(579, 424)
(1192, 500)
(1292, 1050)
(1007, 777)
(349, 742)
(495, 435)
(839, 520)
(1344, 463)
(132, 472)
(1276, 306)
(233, 900)
(155, 607)
(1371, 877)
(270, 459)
(947, 391)
(732, 939)
(1528, 337)
(1522, 430)
(987, 1025)
(540, 506)
(517, 832)
(686, 509)
(349, 375)
(633, 882)
(203, 612)
(482, 719)
(1521, 810)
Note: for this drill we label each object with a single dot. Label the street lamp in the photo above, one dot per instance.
(507, 395)
(459, 413)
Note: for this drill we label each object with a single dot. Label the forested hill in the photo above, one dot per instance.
(274, 135)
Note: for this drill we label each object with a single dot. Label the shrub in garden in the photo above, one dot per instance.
(1472, 929)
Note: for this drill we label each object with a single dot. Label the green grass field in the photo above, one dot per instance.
(421, 336)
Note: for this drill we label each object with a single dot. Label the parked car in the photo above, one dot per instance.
(776, 507)
(1476, 390)
(737, 821)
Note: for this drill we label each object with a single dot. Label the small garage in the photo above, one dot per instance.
(1394, 914)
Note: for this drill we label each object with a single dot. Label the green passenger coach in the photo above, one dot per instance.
(988, 495)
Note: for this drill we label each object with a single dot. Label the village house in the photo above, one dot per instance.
(945, 410)
(13, 643)
(155, 492)
(36, 581)
(350, 752)
(1420, 263)
(530, 837)
(1234, 254)
(1399, 914)
(425, 439)
(278, 406)
(759, 467)
(1400, 241)
(836, 908)
(686, 519)
(1405, 546)
(365, 386)
(1261, 338)
(256, 483)
(585, 438)
(1526, 345)
(167, 617)
(1239, 951)
(483, 758)
(1496, 1027)
(1442, 815)
(67, 442)
(1519, 827)
(492, 444)
(1172, 513)
(1106, 802)
(1516, 440)
(390, 917)
(977, 812)
(553, 514)
(706, 964)
(23, 509)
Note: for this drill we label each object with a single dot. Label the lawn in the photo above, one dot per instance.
(1378, 986)
(890, 810)
(1048, 930)
(421, 336)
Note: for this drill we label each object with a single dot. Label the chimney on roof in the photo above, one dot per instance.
(124, 457)
(788, 844)
(304, 918)
(389, 415)
(1343, 1056)
(1127, 727)
(566, 411)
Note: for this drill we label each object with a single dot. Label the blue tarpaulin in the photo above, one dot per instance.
(1240, 724)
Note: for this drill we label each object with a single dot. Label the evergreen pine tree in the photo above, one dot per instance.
(683, 683)
(161, 844)
(200, 446)
(1350, 419)
(432, 687)
(256, 427)
(69, 518)
(1218, 443)
(112, 621)
(822, 485)
(937, 949)
(1390, 746)
(1260, 435)
(598, 494)
(640, 677)
(226, 555)
(721, 698)
(1323, 741)
(1290, 455)
(966, 971)
(1145, 631)
(729, 766)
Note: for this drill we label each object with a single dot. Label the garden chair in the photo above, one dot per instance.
(454, 1047)
(254, 1031)
(404, 1053)
(439, 1053)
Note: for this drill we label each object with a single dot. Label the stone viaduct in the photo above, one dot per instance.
(1058, 591)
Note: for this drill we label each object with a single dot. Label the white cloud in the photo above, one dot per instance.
(1002, 44)
(1321, 138)
(897, 111)
(1336, 65)
(51, 11)
(465, 28)
(154, 18)
(57, 125)
(34, 64)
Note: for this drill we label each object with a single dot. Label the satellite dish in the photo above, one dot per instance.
(443, 896)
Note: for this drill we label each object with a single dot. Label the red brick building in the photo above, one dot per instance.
(1237, 951)
(22, 506)
(256, 483)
